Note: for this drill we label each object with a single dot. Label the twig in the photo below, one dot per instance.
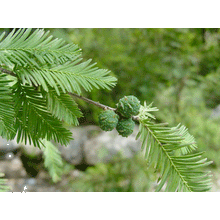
(7, 71)
(105, 107)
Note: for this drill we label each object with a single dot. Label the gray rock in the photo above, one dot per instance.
(74, 152)
(103, 147)
(216, 112)
(7, 147)
(5, 144)
(92, 145)
(13, 168)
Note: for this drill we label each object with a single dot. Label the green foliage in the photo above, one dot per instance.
(143, 59)
(44, 70)
(38, 59)
(108, 120)
(182, 170)
(62, 106)
(24, 48)
(125, 127)
(6, 108)
(121, 175)
(33, 120)
(192, 112)
(3, 184)
(128, 106)
(35, 100)
(210, 85)
(52, 160)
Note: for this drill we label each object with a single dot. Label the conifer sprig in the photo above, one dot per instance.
(45, 70)
(169, 150)
(35, 98)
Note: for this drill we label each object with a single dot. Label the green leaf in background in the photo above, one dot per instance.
(52, 160)
(3, 184)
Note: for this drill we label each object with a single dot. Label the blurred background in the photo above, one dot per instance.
(176, 69)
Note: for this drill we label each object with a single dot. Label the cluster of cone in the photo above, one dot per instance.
(121, 119)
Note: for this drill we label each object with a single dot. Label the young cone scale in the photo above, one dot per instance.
(108, 120)
(125, 127)
(128, 106)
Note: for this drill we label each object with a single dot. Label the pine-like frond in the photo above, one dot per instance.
(181, 170)
(188, 139)
(70, 77)
(38, 59)
(52, 160)
(63, 107)
(21, 47)
(33, 120)
(7, 113)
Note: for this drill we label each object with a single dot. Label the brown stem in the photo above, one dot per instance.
(105, 107)
(7, 71)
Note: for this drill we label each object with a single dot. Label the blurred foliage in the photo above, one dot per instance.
(177, 69)
(119, 175)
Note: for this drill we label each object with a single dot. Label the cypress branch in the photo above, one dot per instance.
(48, 73)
